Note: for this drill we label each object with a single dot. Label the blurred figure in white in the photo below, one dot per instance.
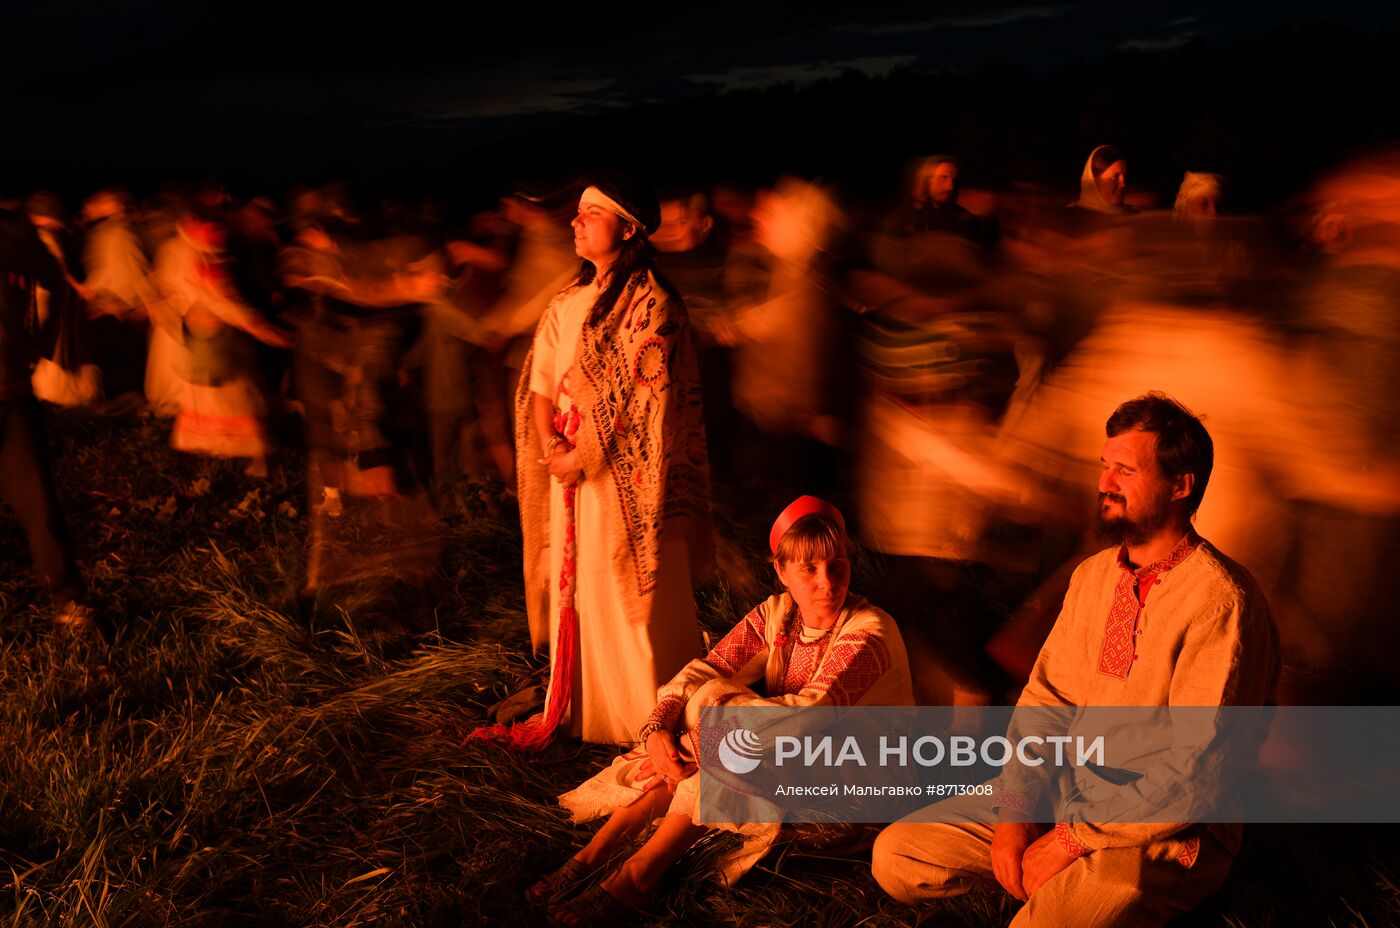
(785, 360)
(222, 407)
(542, 263)
(1345, 369)
(120, 291)
(167, 358)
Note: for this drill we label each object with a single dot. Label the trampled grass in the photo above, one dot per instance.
(241, 756)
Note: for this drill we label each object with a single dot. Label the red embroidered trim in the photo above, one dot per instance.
(1189, 852)
(1116, 655)
(812, 659)
(802, 666)
(1181, 552)
(1067, 841)
(1120, 629)
(852, 667)
(667, 714)
(1009, 800)
(742, 644)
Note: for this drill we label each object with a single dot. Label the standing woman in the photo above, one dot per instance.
(613, 481)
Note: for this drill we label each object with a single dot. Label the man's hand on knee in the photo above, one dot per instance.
(1010, 841)
(1043, 859)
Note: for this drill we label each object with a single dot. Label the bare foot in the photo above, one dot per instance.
(595, 907)
(621, 887)
(553, 885)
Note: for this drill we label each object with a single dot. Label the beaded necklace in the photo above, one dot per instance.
(791, 635)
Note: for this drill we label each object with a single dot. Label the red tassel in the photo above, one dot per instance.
(536, 732)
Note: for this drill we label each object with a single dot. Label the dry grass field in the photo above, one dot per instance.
(241, 756)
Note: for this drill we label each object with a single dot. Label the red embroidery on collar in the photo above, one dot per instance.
(1189, 852)
(1120, 630)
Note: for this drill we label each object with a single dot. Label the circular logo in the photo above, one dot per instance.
(740, 751)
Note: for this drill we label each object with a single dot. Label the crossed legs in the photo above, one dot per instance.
(918, 861)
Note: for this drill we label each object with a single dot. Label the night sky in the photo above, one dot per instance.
(194, 87)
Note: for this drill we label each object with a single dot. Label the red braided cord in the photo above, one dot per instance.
(536, 732)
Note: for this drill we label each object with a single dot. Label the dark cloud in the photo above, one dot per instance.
(1159, 44)
(963, 20)
(180, 80)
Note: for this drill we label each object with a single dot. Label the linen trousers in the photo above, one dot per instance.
(917, 861)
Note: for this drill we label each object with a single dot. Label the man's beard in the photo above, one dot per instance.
(1124, 530)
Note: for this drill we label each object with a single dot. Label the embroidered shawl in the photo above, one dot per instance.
(639, 395)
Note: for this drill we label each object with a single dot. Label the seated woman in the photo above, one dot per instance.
(814, 645)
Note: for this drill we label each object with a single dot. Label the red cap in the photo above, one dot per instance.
(800, 508)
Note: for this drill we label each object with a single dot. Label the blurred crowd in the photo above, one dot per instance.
(941, 365)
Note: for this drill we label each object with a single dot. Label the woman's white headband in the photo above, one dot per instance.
(592, 196)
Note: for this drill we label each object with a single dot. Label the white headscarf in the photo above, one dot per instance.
(1196, 185)
(1090, 196)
